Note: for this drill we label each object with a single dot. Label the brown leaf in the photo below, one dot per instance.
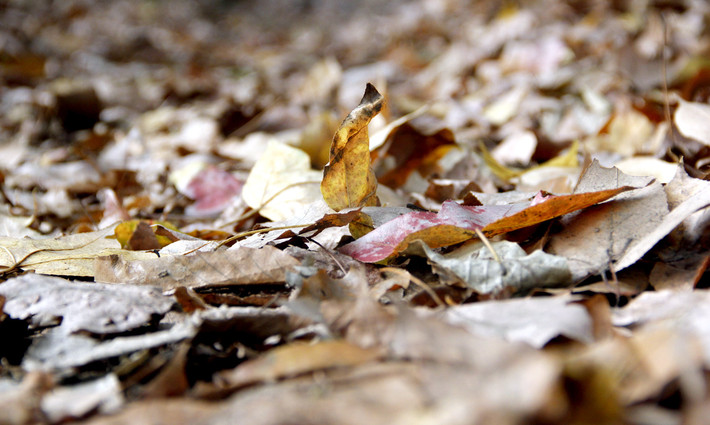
(456, 223)
(413, 150)
(295, 359)
(242, 266)
(348, 179)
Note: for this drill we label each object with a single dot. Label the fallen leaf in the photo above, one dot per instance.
(213, 190)
(567, 159)
(94, 308)
(543, 208)
(662, 171)
(56, 351)
(455, 223)
(103, 395)
(684, 311)
(243, 266)
(412, 149)
(348, 179)
(295, 359)
(281, 184)
(693, 120)
(616, 235)
(140, 235)
(452, 224)
(629, 133)
(71, 255)
(596, 239)
(507, 267)
(534, 321)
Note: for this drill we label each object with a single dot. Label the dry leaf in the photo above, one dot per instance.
(412, 149)
(71, 255)
(281, 184)
(295, 359)
(507, 267)
(455, 223)
(94, 308)
(243, 266)
(693, 120)
(616, 235)
(597, 238)
(348, 179)
(103, 395)
(534, 321)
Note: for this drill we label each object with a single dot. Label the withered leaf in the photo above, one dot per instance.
(475, 264)
(298, 358)
(348, 179)
(71, 255)
(242, 266)
(94, 308)
(457, 223)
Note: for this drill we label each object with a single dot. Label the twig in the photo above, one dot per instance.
(488, 245)
(327, 251)
(254, 232)
(271, 198)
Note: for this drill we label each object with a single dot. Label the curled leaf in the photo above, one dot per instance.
(348, 179)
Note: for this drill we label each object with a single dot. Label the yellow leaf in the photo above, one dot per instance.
(568, 159)
(139, 235)
(348, 179)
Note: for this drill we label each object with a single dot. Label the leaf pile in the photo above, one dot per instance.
(511, 228)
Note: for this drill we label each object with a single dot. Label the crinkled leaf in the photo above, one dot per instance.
(242, 266)
(480, 270)
(94, 308)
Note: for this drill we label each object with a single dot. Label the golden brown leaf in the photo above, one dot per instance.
(348, 179)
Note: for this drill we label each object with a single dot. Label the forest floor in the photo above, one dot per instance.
(203, 219)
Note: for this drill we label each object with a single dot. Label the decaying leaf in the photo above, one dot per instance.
(94, 308)
(348, 179)
(242, 266)
(534, 321)
(507, 267)
(295, 359)
(71, 255)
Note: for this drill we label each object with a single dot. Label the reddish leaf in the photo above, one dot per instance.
(212, 189)
(456, 223)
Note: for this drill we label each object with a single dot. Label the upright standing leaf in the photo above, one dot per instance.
(348, 179)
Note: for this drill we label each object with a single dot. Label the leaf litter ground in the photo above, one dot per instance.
(510, 228)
